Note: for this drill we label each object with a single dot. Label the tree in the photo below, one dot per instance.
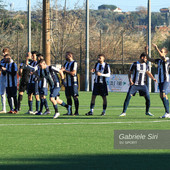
(141, 10)
(2, 6)
(108, 7)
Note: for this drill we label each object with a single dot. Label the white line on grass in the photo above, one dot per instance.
(84, 123)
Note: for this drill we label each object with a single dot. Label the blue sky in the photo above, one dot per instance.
(125, 5)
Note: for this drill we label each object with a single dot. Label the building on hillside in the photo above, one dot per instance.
(117, 10)
(163, 29)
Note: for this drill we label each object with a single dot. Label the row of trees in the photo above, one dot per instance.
(117, 37)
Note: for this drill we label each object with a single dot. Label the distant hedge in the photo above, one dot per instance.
(111, 7)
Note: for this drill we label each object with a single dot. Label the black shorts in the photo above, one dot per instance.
(11, 91)
(100, 89)
(54, 92)
(71, 91)
(33, 88)
(43, 91)
(23, 86)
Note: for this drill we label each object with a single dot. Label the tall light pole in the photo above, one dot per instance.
(122, 52)
(46, 31)
(87, 48)
(29, 24)
(149, 40)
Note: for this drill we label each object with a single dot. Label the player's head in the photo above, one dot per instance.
(7, 58)
(5, 51)
(164, 51)
(69, 56)
(101, 58)
(34, 55)
(39, 57)
(42, 64)
(143, 58)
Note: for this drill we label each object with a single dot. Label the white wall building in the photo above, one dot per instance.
(117, 10)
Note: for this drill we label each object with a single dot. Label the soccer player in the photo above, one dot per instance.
(3, 81)
(71, 83)
(11, 82)
(101, 71)
(24, 73)
(33, 86)
(49, 73)
(138, 69)
(43, 90)
(163, 76)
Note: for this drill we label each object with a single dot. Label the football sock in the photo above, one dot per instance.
(76, 103)
(37, 105)
(15, 103)
(10, 103)
(69, 109)
(126, 103)
(165, 103)
(147, 98)
(3, 100)
(30, 105)
(41, 105)
(64, 105)
(92, 107)
(69, 101)
(19, 100)
(46, 104)
(104, 107)
(55, 108)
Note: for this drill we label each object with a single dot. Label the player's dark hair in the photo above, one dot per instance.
(69, 53)
(39, 54)
(34, 52)
(99, 55)
(143, 55)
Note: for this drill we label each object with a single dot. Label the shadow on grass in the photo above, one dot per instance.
(22, 116)
(82, 117)
(91, 162)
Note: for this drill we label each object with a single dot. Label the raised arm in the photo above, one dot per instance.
(148, 58)
(162, 55)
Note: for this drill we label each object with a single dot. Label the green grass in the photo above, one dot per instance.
(40, 142)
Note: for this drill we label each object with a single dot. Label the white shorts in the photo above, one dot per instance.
(2, 85)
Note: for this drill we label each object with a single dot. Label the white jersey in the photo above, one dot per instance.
(139, 71)
(163, 70)
(71, 80)
(103, 68)
(42, 83)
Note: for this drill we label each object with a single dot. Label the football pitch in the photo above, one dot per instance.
(81, 142)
